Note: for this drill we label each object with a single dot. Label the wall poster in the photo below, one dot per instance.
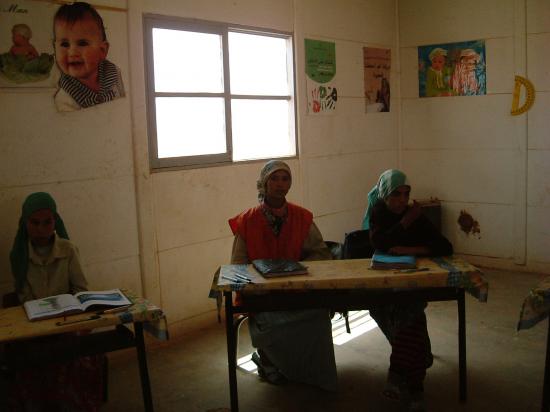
(376, 66)
(322, 94)
(26, 52)
(452, 69)
(78, 45)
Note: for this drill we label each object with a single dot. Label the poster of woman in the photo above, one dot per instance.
(377, 65)
(452, 69)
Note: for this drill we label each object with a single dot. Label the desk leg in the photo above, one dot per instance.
(143, 372)
(546, 384)
(231, 352)
(461, 345)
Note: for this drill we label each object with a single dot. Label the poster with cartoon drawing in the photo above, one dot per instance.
(376, 67)
(72, 57)
(322, 94)
(452, 69)
(26, 53)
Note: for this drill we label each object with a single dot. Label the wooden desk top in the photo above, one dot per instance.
(356, 274)
(15, 325)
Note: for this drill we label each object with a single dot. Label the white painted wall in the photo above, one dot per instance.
(183, 214)
(469, 151)
(84, 159)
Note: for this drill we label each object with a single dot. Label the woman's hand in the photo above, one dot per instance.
(411, 215)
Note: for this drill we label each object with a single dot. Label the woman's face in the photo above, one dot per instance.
(398, 200)
(278, 185)
(40, 227)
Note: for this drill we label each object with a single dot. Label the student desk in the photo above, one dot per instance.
(15, 326)
(536, 308)
(341, 285)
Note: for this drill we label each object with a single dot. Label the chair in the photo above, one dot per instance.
(357, 245)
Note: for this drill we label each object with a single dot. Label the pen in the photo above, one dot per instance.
(412, 270)
(114, 310)
(78, 320)
(243, 277)
(236, 280)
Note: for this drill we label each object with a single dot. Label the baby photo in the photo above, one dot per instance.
(81, 48)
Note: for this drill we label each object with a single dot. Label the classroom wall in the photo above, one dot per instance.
(164, 234)
(469, 151)
(85, 160)
(183, 214)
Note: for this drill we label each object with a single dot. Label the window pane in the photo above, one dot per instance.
(258, 64)
(187, 61)
(190, 126)
(261, 129)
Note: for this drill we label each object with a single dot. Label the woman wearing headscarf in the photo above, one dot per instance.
(293, 345)
(45, 263)
(398, 228)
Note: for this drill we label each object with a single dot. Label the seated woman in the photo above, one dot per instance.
(293, 345)
(45, 262)
(399, 228)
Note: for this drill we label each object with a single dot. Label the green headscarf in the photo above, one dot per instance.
(390, 180)
(19, 255)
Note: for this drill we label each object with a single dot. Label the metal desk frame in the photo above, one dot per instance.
(338, 300)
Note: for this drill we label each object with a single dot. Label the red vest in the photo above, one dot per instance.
(261, 242)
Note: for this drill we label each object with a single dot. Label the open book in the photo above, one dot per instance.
(66, 304)
(270, 268)
(386, 261)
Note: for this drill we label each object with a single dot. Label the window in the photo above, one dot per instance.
(217, 93)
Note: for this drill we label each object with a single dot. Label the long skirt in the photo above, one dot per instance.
(75, 385)
(298, 343)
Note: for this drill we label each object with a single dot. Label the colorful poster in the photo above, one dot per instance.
(452, 69)
(78, 45)
(322, 94)
(26, 52)
(377, 65)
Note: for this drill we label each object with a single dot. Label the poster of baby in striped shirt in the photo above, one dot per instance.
(87, 77)
(76, 64)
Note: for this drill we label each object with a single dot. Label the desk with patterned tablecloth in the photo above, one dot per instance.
(15, 326)
(341, 285)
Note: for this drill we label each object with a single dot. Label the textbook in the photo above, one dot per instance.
(382, 260)
(67, 304)
(270, 268)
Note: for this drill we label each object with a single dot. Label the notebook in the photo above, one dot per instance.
(270, 268)
(382, 260)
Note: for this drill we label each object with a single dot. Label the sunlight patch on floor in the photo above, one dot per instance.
(360, 323)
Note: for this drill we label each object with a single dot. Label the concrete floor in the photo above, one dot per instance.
(505, 368)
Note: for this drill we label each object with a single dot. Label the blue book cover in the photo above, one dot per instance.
(382, 260)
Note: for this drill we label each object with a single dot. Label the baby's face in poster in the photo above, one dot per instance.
(79, 48)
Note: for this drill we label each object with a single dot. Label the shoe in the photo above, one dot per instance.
(395, 387)
(416, 402)
(268, 373)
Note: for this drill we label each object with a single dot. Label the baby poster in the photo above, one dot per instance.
(73, 57)
(452, 69)
(322, 94)
(26, 51)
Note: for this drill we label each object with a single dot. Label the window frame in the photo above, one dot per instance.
(151, 22)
